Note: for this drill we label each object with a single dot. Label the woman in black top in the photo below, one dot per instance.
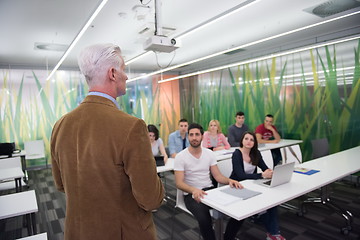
(245, 161)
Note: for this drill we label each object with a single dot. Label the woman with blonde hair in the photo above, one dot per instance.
(213, 138)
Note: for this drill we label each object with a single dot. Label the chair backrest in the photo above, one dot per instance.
(180, 201)
(181, 204)
(35, 147)
(292, 154)
(320, 147)
(10, 162)
(268, 159)
(225, 167)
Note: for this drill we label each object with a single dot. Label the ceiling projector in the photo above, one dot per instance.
(160, 44)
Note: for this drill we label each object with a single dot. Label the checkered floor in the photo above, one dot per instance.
(320, 223)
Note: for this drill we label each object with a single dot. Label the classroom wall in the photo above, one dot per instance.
(312, 94)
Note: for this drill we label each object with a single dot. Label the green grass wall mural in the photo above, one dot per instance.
(313, 94)
(322, 103)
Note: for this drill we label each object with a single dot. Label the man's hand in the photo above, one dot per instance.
(270, 127)
(235, 184)
(198, 194)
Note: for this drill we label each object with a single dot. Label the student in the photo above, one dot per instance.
(236, 130)
(267, 133)
(101, 158)
(192, 169)
(245, 162)
(178, 140)
(213, 137)
(157, 144)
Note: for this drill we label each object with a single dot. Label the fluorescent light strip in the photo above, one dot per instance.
(77, 38)
(242, 46)
(137, 57)
(311, 73)
(218, 18)
(259, 59)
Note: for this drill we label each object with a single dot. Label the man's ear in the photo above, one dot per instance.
(111, 74)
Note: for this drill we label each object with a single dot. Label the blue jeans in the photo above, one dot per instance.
(270, 220)
(202, 214)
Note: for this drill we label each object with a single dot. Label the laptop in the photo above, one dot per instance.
(281, 174)
(159, 161)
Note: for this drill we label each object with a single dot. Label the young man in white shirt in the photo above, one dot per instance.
(192, 168)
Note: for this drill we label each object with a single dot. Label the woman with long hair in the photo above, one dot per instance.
(157, 145)
(245, 161)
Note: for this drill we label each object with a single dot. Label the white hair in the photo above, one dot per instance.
(95, 60)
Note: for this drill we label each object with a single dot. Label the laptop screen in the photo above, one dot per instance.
(159, 161)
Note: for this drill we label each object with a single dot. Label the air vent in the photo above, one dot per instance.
(332, 7)
(50, 46)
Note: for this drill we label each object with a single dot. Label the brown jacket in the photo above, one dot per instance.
(102, 160)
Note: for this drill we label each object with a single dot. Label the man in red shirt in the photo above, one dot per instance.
(267, 133)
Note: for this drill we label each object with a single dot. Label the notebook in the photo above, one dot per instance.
(159, 161)
(281, 174)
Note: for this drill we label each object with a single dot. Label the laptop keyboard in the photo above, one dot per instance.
(267, 182)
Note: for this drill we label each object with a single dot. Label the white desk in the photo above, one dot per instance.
(226, 154)
(10, 174)
(169, 166)
(281, 144)
(18, 204)
(40, 236)
(22, 153)
(332, 168)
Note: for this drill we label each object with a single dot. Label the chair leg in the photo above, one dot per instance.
(326, 201)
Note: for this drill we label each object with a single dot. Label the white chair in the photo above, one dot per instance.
(35, 150)
(14, 162)
(180, 201)
(225, 167)
(292, 154)
(216, 215)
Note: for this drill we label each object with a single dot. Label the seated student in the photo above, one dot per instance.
(192, 169)
(157, 144)
(245, 162)
(236, 130)
(213, 138)
(267, 133)
(178, 140)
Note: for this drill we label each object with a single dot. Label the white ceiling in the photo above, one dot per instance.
(24, 23)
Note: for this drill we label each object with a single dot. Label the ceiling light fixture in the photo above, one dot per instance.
(77, 38)
(260, 59)
(243, 46)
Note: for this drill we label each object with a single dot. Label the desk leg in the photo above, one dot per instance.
(326, 201)
(28, 224)
(219, 224)
(17, 184)
(23, 165)
(33, 223)
(167, 197)
(292, 152)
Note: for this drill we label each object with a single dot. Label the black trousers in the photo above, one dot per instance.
(202, 214)
(276, 154)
